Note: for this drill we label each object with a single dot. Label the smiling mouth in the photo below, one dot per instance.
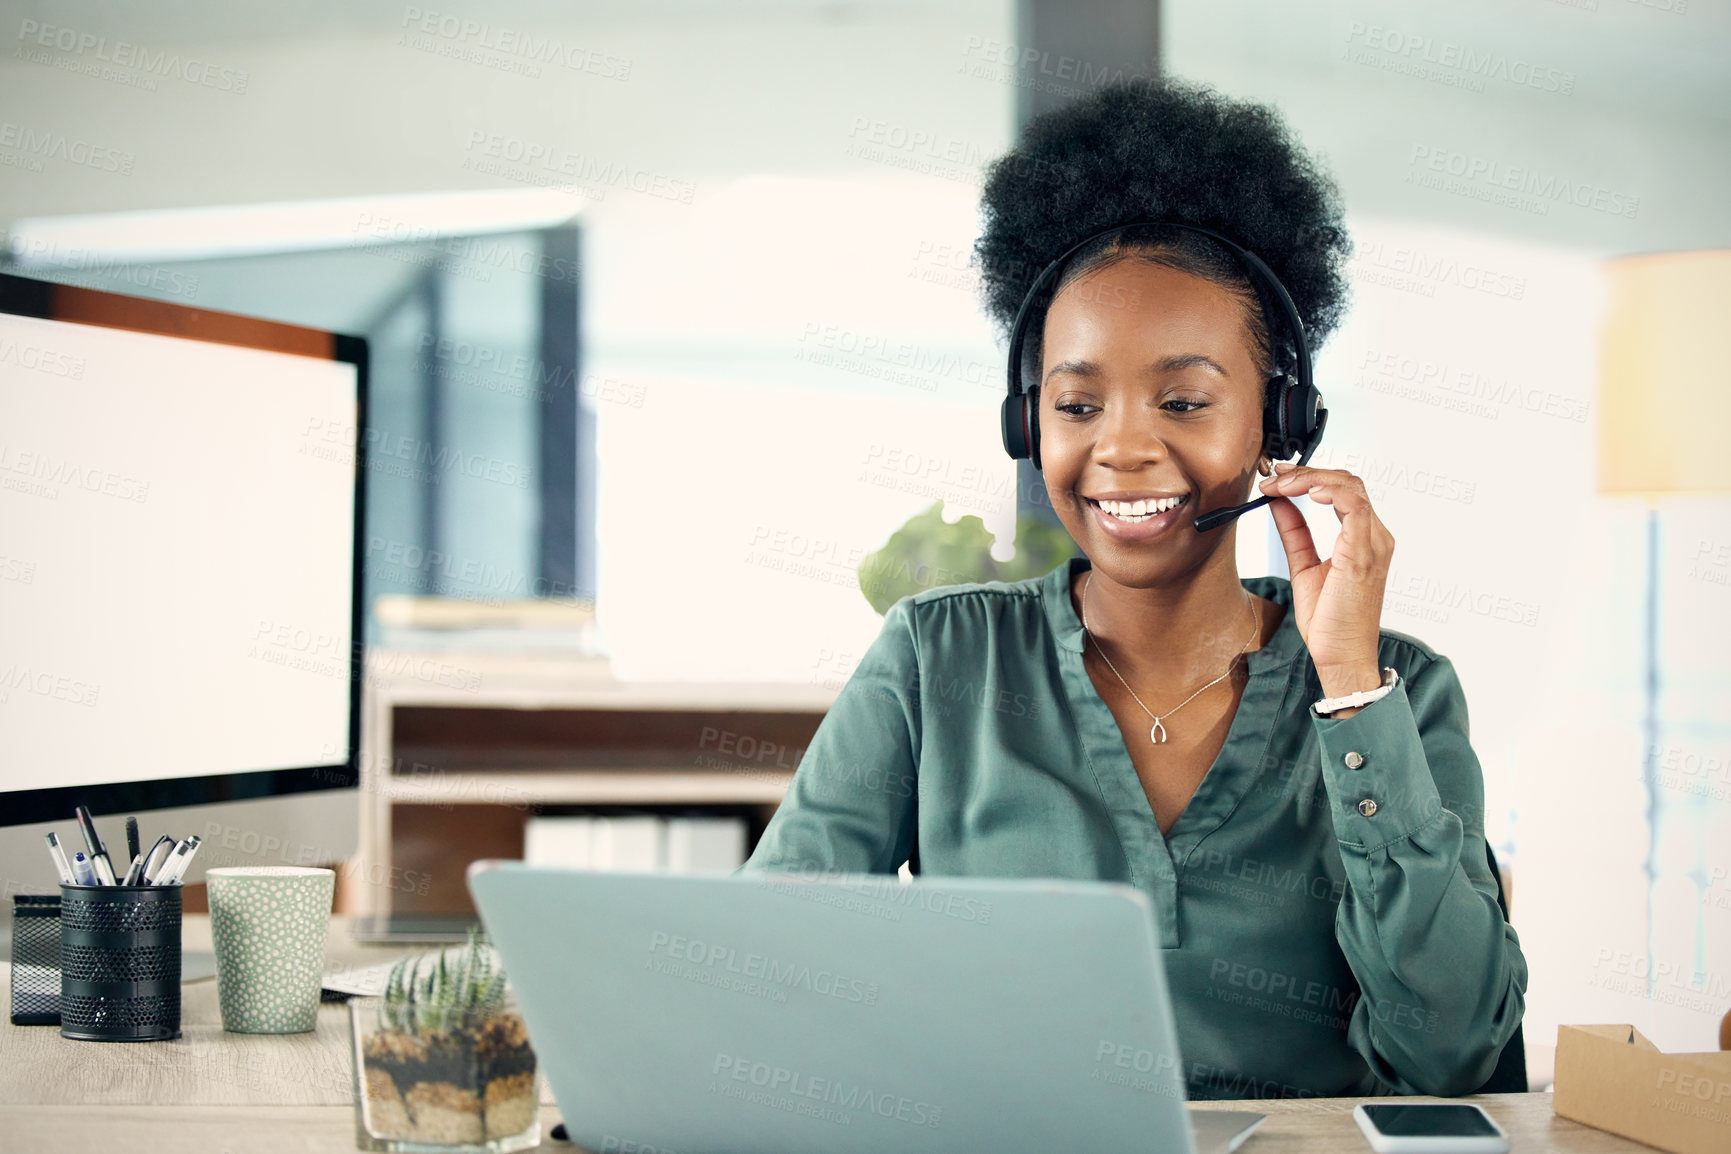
(1121, 510)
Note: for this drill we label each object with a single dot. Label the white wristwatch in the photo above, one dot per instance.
(1364, 697)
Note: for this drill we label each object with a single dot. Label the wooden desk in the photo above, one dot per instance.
(1294, 1126)
(211, 1092)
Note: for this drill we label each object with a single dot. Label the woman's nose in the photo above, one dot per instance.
(1127, 436)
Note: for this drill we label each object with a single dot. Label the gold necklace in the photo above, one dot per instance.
(1158, 733)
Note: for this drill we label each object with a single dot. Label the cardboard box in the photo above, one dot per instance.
(1613, 1078)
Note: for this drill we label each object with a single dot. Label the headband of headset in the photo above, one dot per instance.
(1290, 425)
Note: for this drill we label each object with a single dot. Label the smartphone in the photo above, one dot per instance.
(1430, 1128)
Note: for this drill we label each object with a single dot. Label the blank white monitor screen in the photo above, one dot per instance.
(177, 535)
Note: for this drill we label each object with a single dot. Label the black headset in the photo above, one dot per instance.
(1292, 414)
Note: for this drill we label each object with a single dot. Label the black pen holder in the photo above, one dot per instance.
(35, 960)
(120, 963)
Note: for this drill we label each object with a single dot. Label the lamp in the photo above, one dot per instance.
(1664, 405)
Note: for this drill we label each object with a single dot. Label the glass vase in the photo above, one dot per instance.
(441, 1081)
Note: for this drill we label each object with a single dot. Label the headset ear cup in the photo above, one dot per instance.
(1301, 416)
(1274, 419)
(1031, 407)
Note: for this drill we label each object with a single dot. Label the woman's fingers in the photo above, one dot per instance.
(1362, 533)
(1294, 535)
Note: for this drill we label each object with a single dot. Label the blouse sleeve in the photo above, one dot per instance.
(853, 802)
(1441, 975)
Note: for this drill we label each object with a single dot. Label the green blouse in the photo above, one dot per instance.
(1324, 903)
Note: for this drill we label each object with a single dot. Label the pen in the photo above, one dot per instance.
(81, 872)
(87, 827)
(60, 865)
(135, 871)
(182, 862)
(93, 842)
(131, 838)
(165, 872)
(152, 863)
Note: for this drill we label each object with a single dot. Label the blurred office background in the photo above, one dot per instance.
(671, 310)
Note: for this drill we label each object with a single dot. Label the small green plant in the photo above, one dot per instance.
(428, 992)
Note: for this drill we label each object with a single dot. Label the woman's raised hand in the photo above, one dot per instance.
(1337, 603)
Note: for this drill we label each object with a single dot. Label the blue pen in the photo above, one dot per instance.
(82, 871)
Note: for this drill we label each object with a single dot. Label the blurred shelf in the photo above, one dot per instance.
(471, 742)
(593, 787)
(564, 681)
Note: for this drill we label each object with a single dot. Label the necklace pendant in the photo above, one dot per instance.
(1158, 733)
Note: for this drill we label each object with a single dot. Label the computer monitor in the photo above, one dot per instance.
(181, 497)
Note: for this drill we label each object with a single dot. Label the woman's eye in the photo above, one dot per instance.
(1077, 408)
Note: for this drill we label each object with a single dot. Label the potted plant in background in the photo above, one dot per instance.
(442, 1060)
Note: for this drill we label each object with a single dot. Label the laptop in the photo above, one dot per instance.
(783, 1013)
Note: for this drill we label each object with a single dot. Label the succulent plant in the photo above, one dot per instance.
(428, 991)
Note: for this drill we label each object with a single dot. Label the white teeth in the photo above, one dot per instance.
(1142, 510)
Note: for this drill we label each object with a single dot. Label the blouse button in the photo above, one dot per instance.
(1367, 807)
(1353, 760)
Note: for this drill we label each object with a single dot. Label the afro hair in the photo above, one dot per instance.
(1165, 150)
